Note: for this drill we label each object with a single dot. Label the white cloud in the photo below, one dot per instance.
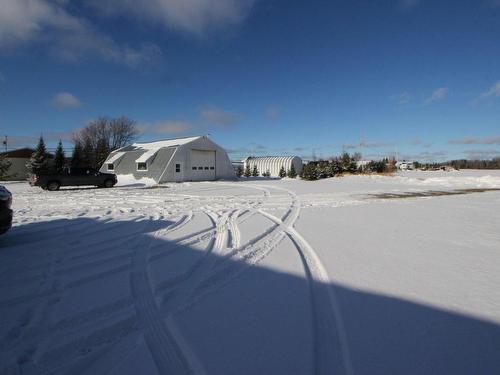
(406, 5)
(22, 20)
(65, 100)
(173, 127)
(196, 17)
(26, 22)
(404, 98)
(381, 144)
(426, 156)
(492, 140)
(349, 146)
(18, 141)
(219, 117)
(494, 91)
(482, 154)
(272, 113)
(439, 94)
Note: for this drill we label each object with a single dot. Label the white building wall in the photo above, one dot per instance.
(273, 164)
(18, 170)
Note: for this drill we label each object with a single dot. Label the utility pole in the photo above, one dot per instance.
(362, 144)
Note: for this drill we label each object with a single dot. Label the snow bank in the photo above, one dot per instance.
(130, 180)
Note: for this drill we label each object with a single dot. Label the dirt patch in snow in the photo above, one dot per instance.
(429, 193)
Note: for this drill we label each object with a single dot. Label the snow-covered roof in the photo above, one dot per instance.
(115, 157)
(166, 143)
(147, 155)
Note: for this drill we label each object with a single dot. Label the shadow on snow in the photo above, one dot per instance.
(88, 296)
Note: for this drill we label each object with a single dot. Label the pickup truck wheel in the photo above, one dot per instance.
(53, 186)
(108, 183)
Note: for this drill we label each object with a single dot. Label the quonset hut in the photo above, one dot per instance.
(273, 164)
(172, 160)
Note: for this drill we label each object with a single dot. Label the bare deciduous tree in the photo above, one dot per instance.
(122, 132)
(104, 135)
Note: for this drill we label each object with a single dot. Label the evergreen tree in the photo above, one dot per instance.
(282, 172)
(77, 156)
(376, 166)
(247, 173)
(59, 158)
(38, 162)
(88, 154)
(348, 164)
(255, 171)
(309, 172)
(239, 171)
(334, 168)
(322, 169)
(292, 173)
(4, 166)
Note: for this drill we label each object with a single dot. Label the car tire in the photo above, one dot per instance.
(109, 183)
(53, 186)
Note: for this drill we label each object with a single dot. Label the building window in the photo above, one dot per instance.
(206, 168)
(212, 168)
(111, 167)
(194, 168)
(177, 168)
(142, 166)
(200, 168)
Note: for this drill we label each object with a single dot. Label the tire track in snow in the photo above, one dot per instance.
(100, 361)
(181, 287)
(168, 356)
(159, 252)
(56, 290)
(29, 348)
(329, 335)
(232, 264)
(234, 239)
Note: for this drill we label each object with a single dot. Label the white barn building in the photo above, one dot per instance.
(172, 160)
(273, 164)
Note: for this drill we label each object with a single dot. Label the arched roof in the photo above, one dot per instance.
(281, 159)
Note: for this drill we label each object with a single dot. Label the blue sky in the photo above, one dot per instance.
(419, 78)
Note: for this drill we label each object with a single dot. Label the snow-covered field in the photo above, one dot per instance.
(255, 277)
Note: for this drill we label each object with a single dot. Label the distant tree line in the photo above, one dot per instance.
(461, 164)
(92, 146)
(475, 164)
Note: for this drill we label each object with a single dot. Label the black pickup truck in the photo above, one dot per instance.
(73, 177)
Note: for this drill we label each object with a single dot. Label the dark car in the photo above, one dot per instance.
(73, 177)
(5, 211)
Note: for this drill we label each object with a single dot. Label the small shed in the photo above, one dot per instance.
(172, 160)
(273, 164)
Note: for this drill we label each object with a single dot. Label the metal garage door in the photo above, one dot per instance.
(202, 165)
